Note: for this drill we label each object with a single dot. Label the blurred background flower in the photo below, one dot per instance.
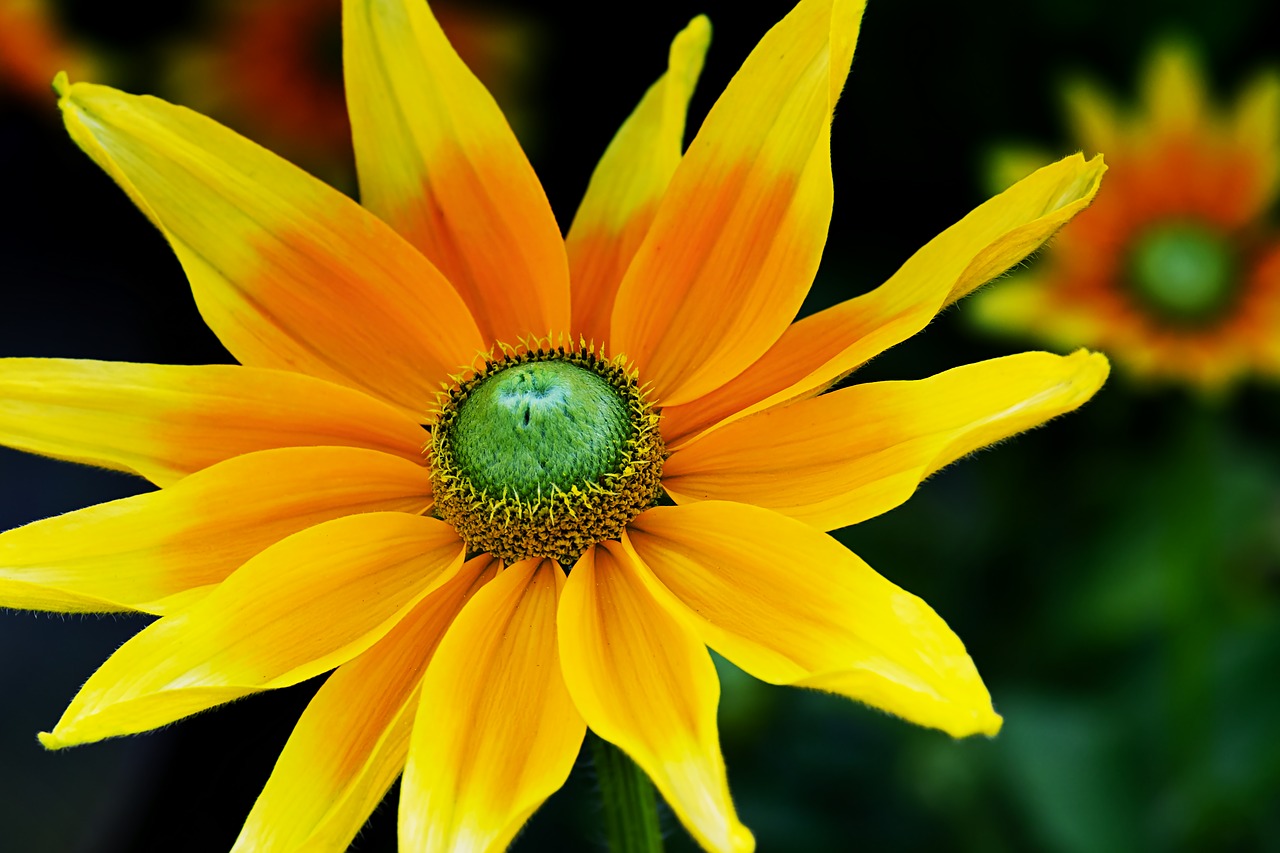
(1116, 576)
(1175, 271)
(34, 38)
(273, 71)
(270, 69)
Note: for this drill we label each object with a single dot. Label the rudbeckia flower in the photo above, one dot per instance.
(507, 486)
(1175, 272)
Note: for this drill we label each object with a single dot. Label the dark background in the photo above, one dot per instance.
(1115, 575)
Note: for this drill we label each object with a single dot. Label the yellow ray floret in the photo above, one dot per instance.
(427, 479)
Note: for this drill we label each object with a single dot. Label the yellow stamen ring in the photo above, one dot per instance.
(545, 452)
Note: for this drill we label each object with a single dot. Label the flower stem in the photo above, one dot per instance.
(630, 804)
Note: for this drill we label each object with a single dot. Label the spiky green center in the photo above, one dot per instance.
(544, 453)
(1184, 272)
(534, 428)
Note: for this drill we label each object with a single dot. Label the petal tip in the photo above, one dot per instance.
(979, 721)
(51, 741)
(697, 31)
(1079, 181)
(1094, 368)
(741, 840)
(733, 838)
(61, 84)
(1091, 172)
(1098, 164)
(1100, 360)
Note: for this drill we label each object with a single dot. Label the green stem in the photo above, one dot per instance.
(630, 804)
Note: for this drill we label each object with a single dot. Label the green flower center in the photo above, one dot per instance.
(1184, 272)
(536, 428)
(544, 453)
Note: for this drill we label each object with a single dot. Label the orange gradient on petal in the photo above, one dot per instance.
(737, 242)
(404, 653)
(600, 260)
(344, 319)
(507, 287)
(818, 350)
(351, 742)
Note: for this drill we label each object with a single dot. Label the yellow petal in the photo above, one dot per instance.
(288, 272)
(791, 605)
(644, 681)
(1093, 119)
(301, 607)
(161, 551)
(1257, 131)
(438, 161)
(1174, 90)
(496, 732)
(847, 456)
(628, 183)
(351, 742)
(738, 236)
(820, 349)
(166, 421)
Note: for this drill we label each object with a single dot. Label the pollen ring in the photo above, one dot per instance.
(544, 452)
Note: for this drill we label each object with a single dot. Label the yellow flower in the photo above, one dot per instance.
(1174, 272)
(301, 527)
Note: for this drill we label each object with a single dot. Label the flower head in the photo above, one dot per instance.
(486, 569)
(1175, 272)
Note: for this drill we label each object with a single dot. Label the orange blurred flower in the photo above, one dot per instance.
(1175, 271)
(34, 46)
(273, 70)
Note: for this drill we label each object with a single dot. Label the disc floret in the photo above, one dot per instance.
(544, 452)
(1184, 271)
